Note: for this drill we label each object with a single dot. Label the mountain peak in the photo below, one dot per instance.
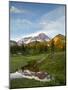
(40, 37)
(43, 36)
(60, 36)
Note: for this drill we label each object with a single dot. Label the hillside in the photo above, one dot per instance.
(13, 43)
(58, 41)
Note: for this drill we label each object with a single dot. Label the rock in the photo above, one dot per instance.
(27, 73)
(41, 75)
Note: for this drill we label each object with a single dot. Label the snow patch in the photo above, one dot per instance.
(30, 75)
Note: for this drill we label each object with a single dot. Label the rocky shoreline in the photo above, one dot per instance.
(40, 76)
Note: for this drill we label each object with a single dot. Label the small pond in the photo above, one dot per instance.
(40, 76)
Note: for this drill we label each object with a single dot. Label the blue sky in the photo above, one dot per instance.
(30, 19)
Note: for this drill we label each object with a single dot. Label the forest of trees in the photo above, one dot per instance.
(32, 48)
(35, 48)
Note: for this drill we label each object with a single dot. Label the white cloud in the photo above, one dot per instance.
(23, 21)
(51, 24)
(50, 28)
(14, 9)
(54, 14)
(54, 27)
(20, 24)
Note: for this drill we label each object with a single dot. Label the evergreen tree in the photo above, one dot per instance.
(52, 48)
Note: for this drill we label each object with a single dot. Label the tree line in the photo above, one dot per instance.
(34, 48)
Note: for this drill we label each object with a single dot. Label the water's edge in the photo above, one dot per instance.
(31, 75)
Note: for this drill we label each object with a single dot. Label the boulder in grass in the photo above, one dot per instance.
(41, 75)
(27, 73)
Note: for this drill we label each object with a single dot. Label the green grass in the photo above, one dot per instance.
(55, 66)
(26, 83)
(17, 61)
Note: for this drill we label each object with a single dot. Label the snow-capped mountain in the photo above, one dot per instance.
(40, 37)
(58, 39)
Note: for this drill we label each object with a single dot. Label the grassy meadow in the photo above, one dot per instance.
(55, 65)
